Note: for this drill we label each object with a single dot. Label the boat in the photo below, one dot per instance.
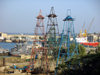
(4, 52)
(84, 41)
(21, 48)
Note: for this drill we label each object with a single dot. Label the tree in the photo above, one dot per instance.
(89, 65)
(98, 49)
(81, 49)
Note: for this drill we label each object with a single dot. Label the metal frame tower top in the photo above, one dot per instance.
(39, 30)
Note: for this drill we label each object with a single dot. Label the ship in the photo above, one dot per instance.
(4, 52)
(23, 48)
(85, 42)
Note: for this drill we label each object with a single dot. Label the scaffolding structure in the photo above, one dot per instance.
(67, 39)
(52, 30)
(39, 45)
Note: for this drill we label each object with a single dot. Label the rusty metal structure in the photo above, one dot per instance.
(52, 30)
(39, 46)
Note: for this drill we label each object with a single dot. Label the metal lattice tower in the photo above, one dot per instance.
(52, 29)
(67, 38)
(39, 44)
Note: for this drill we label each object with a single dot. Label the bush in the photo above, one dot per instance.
(86, 65)
(81, 49)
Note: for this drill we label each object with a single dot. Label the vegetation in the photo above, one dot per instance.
(72, 47)
(98, 49)
(82, 64)
(81, 49)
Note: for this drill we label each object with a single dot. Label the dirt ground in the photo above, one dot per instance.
(14, 74)
(22, 74)
(10, 61)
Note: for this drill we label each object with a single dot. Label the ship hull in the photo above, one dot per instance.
(93, 44)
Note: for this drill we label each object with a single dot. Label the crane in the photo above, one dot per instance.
(83, 26)
(90, 24)
(82, 30)
(88, 29)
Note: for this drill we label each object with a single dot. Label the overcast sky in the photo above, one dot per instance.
(19, 16)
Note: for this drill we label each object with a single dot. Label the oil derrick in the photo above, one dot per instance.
(52, 30)
(39, 46)
(67, 39)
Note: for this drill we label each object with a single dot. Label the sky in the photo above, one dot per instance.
(19, 16)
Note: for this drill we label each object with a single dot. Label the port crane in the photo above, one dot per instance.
(89, 27)
(84, 34)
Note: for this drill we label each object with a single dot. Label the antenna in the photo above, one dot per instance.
(69, 12)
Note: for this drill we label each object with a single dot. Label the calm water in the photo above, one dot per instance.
(7, 45)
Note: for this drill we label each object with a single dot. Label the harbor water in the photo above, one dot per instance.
(8, 46)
